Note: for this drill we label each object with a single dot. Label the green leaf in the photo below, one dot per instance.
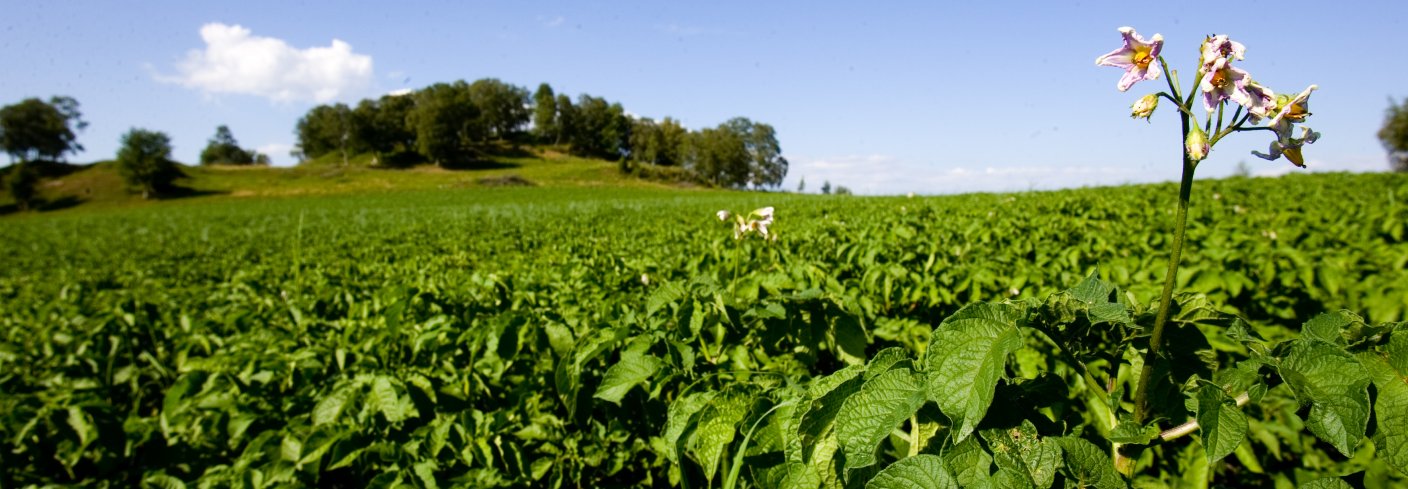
(968, 462)
(667, 294)
(1337, 388)
(867, 417)
(1127, 431)
(799, 476)
(718, 424)
(851, 339)
(1391, 406)
(1222, 424)
(330, 407)
(681, 418)
(1087, 465)
(918, 472)
(827, 394)
(159, 480)
(633, 368)
(1021, 449)
(966, 358)
(385, 399)
(1326, 483)
(1326, 327)
(568, 376)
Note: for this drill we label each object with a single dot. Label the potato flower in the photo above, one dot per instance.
(1137, 57)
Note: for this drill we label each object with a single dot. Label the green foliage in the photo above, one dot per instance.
(34, 129)
(587, 339)
(545, 113)
(224, 149)
(1394, 135)
(145, 162)
(22, 182)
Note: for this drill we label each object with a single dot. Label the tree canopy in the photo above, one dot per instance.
(145, 161)
(223, 148)
(1394, 135)
(34, 129)
(460, 122)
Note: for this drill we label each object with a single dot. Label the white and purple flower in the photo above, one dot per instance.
(1137, 58)
(1221, 82)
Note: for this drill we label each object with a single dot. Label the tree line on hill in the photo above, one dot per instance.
(459, 123)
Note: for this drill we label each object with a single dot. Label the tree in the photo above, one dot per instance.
(445, 123)
(645, 141)
(22, 180)
(324, 129)
(224, 149)
(674, 139)
(825, 187)
(1394, 135)
(381, 126)
(718, 155)
(599, 128)
(503, 108)
(802, 185)
(566, 120)
(34, 129)
(145, 161)
(545, 113)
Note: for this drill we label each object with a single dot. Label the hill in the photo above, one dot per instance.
(100, 185)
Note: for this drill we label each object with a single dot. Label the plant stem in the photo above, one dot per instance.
(1146, 374)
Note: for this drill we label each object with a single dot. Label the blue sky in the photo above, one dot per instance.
(882, 97)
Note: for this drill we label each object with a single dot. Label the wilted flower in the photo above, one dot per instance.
(1219, 47)
(1290, 147)
(1197, 144)
(1291, 109)
(1222, 81)
(1144, 107)
(1136, 58)
(1262, 101)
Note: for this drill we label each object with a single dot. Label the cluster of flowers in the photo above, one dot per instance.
(756, 221)
(1218, 81)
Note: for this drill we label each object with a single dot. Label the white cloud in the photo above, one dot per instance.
(399, 92)
(235, 61)
(554, 22)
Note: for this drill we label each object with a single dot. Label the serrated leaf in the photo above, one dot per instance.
(718, 424)
(1221, 423)
(884, 360)
(968, 462)
(1129, 432)
(1326, 483)
(868, 416)
(918, 472)
(966, 358)
(1391, 406)
(799, 476)
(1326, 327)
(1087, 465)
(667, 294)
(330, 407)
(1020, 448)
(681, 419)
(1337, 388)
(633, 368)
(851, 339)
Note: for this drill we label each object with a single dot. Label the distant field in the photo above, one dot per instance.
(413, 326)
(99, 185)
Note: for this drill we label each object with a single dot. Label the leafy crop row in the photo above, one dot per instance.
(526, 337)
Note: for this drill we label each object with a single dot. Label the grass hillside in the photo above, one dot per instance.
(100, 185)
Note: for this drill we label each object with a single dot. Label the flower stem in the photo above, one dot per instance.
(1146, 374)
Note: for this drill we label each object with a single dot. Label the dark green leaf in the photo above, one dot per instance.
(966, 359)
(1337, 388)
(1221, 423)
(867, 417)
(918, 472)
(1087, 465)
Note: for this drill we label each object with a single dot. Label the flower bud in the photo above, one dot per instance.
(1144, 107)
(1197, 147)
